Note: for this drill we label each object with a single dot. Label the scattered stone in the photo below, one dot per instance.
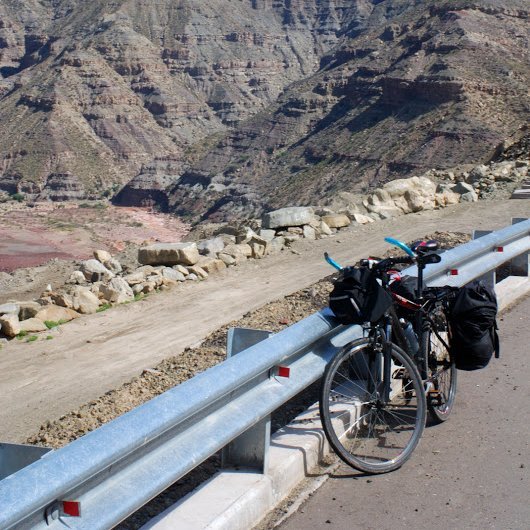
(211, 247)
(62, 299)
(113, 265)
(470, 196)
(9, 309)
(227, 259)
(10, 325)
(85, 301)
(211, 265)
(117, 291)
(192, 277)
(171, 274)
(462, 188)
(169, 254)
(33, 325)
(198, 272)
(94, 271)
(325, 229)
(102, 256)
(267, 234)
(135, 278)
(54, 313)
(336, 220)
(309, 232)
(294, 216)
(138, 288)
(276, 245)
(181, 269)
(28, 309)
(77, 278)
(361, 219)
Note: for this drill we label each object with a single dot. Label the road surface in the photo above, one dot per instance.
(471, 472)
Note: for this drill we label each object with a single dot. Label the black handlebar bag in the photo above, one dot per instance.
(357, 297)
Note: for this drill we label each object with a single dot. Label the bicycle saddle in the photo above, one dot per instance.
(422, 247)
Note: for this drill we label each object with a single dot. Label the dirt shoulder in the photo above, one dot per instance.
(90, 356)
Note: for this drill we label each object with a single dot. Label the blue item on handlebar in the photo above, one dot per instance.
(332, 262)
(400, 245)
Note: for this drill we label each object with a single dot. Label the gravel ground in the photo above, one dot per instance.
(173, 371)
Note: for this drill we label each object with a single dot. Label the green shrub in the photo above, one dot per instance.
(17, 197)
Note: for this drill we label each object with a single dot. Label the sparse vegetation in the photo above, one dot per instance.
(53, 324)
(19, 197)
(103, 307)
(32, 338)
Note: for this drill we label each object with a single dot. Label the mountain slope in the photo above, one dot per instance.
(92, 93)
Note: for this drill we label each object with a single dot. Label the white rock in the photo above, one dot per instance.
(93, 270)
(113, 265)
(117, 291)
(9, 309)
(309, 232)
(77, 277)
(198, 272)
(102, 256)
(172, 274)
(211, 247)
(267, 234)
(362, 219)
(227, 259)
(325, 229)
(181, 269)
(294, 216)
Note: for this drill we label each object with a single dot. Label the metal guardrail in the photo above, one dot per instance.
(114, 470)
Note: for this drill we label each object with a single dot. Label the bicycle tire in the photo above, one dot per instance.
(380, 438)
(442, 369)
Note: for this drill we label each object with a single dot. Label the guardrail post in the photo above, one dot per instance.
(250, 449)
(489, 277)
(519, 265)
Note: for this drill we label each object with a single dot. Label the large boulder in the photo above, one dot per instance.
(169, 254)
(117, 291)
(54, 313)
(294, 216)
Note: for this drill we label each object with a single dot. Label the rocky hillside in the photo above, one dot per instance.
(227, 108)
(94, 94)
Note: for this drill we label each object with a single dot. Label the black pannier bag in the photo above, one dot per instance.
(357, 297)
(473, 326)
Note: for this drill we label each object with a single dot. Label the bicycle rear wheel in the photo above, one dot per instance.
(366, 431)
(442, 369)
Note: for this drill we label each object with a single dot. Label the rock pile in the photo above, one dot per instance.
(103, 281)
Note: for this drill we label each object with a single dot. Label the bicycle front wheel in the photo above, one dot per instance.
(372, 424)
(442, 369)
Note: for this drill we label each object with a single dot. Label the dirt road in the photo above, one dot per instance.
(47, 378)
(469, 473)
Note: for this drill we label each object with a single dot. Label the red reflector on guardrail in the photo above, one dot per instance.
(499, 249)
(453, 272)
(71, 508)
(284, 371)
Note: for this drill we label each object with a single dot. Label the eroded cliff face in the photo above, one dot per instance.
(228, 107)
(435, 84)
(101, 91)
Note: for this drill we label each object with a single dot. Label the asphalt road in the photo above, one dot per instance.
(471, 472)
